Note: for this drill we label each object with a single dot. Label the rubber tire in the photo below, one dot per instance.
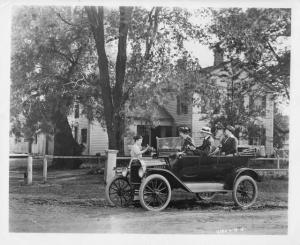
(107, 190)
(206, 198)
(142, 187)
(236, 184)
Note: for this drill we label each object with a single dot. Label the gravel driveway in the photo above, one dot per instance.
(73, 201)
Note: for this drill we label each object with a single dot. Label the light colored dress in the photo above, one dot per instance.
(136, 153)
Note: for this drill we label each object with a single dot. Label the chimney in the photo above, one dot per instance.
(218, 54)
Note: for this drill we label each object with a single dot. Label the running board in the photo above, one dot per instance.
(205, 187)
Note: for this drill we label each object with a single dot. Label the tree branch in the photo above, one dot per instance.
(125, 18)
(152, 30)
(66, 21)
(273, 51)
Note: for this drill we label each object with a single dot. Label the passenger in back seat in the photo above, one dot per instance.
(207, 146)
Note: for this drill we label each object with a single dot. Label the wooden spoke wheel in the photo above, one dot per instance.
(119, 192)
(244, 191)
(155, 193)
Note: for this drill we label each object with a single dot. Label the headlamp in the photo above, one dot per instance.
(124, 172)
(141, 172)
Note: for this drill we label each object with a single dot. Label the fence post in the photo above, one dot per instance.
(45, 169)
(110, 164)
(278, 163)
(29, 170)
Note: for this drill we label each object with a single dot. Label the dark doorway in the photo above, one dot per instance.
(161, 132)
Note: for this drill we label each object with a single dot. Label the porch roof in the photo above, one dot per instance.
(159, 113)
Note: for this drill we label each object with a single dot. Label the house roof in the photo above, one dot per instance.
(208, 70)
(159, 113)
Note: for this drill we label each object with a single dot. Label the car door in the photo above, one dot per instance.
(225, 167)
(189, 168)
(207, 170)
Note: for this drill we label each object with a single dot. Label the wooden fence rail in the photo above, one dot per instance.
(108, 165)
(278, 159)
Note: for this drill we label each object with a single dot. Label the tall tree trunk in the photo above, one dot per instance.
(64, 143)
(95, 16)
(113, 98)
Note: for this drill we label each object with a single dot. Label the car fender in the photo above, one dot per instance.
(239, 172)
(174, 181)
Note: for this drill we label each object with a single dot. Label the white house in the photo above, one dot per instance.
(168, 118)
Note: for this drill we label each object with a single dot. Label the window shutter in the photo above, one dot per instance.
(84, 135)
(76, 111)
(178, 104)
(264, 105)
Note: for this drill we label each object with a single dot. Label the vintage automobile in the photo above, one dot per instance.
(203, 175)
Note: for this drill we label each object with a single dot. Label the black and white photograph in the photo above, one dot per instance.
(149, 118)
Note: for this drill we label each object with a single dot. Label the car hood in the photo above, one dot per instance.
(149, 162)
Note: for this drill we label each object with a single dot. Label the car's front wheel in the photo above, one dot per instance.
(119, 192)
(244, 191)
(155, 193)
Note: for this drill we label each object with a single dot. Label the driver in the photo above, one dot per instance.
(136, 149)
(188, 142)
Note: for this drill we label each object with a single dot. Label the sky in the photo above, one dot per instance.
(202, 52)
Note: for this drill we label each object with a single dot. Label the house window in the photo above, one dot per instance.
(76, 133)
(17, 140)
(144, 132)
(84, 135)
(257, 135)
(203, 105)
(35, 138)
(182, 105)
(257, 104)
(76, 111)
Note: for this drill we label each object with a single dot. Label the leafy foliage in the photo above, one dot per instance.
(257, 53)
(46, 75)
(259, 39)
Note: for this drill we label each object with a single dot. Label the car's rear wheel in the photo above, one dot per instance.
(155, 193)
(206, 196)
(244, 191)
(118, 192)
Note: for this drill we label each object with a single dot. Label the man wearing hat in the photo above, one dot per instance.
(188, 142)
(229, 143)
(208, 142)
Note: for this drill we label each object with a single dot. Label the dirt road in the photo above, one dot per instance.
(73, 201)
(51, 218)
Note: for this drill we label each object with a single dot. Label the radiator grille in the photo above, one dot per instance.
(134, 172)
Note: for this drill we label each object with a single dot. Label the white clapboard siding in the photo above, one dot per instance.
(182, 119)
(98, 139)
(50, 144)
(82, 123)
(17, 147)
(39, 146)
(197, 124)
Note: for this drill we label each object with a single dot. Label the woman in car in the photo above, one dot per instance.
(136, 149)
(188, 142)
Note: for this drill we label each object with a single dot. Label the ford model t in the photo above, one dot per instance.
(203, 175)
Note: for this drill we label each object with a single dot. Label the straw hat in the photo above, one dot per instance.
(206, 130)
(230, 128)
